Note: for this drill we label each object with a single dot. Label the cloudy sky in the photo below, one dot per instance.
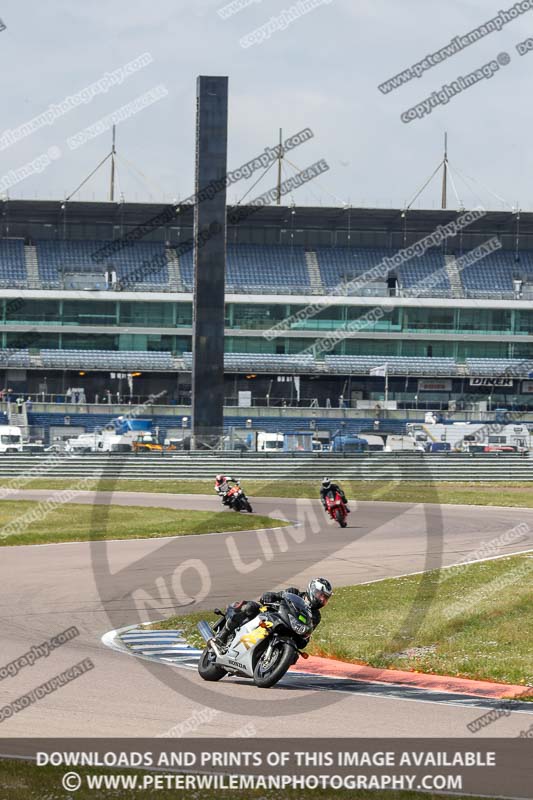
(320, 71)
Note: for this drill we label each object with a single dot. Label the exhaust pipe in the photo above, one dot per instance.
(209, 636)
(205, 630)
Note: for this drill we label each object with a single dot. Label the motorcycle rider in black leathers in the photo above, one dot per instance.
(328, 486)
(317, 594)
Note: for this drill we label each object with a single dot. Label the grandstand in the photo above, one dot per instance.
(497, 273)
(440, 328)
(263, 269)
(105, 360)
(57, 258)
(13, 274)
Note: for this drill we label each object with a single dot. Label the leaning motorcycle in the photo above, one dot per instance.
(336, 508)
(262, 649)
(237, 500)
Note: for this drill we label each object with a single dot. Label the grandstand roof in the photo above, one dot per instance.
(51, 212)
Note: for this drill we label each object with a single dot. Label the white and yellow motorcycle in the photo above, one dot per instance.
(262, 649)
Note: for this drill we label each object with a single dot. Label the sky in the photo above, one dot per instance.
(320, 71)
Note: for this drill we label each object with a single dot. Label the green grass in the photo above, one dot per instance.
(473, 621)
(20, 780)
(518, 494)
(476, 621)
(75, 522)
(187, 624)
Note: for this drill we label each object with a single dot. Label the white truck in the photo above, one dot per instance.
(122, 435)
(471, 437)
(84, 443)
(269, 442)
(399, 444)
(375, 443)
(99, 442)
(10, 439)
(133, 441)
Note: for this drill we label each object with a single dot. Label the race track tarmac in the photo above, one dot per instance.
(100, 586)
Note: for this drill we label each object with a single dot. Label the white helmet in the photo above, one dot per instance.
(319, 591)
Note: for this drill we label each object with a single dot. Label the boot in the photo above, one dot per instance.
(224, 636)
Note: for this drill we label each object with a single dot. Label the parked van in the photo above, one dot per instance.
(374, 443)
(269, 442)
(398, 444)
(350, 444)
(10, 439)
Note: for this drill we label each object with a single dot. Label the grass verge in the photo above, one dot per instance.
(518, 494)
(29, 522)
(21, 780)
(473, 621)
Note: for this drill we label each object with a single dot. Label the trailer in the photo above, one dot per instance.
(469, 437)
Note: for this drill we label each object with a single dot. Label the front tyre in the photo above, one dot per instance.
(341, 518)
(207, 668)
(269, 671)
(248, 507)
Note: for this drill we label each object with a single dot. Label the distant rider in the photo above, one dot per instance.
(222, 486)
(328, 486)
(317, 594)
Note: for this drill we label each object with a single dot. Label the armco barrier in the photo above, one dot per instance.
(183, 466)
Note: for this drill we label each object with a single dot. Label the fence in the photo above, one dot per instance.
(183, 466)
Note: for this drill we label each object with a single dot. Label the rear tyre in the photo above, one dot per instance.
(208, 670)
(266, 674)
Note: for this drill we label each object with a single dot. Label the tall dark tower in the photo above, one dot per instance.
(209, 261)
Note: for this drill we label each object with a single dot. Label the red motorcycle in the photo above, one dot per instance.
(237, 500)
(336, 508)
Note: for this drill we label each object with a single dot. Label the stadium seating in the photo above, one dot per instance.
(294, 424)
(498, 367)
(12, 357)
(130, 360)
(425, 276)
(260, 268)
(262, 362)
(12, 264)
(134, 265)
(339, 264)
(396, 365)
(494, 274)
(264, 268)
(155, 361)
(344, 365)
